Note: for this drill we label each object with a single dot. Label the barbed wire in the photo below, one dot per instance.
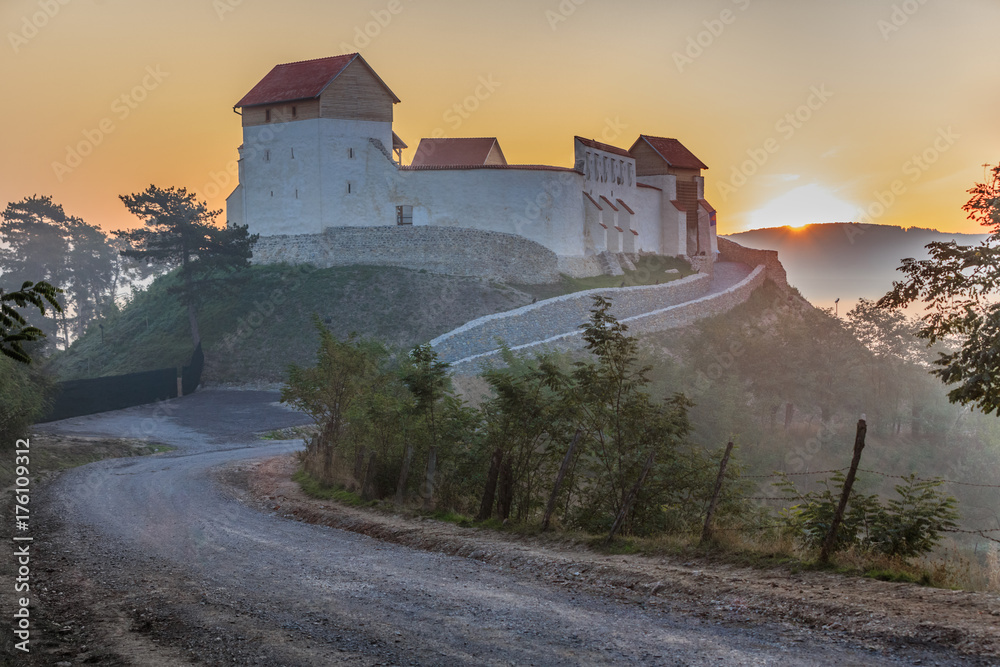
(933, 479)
(781, 526)
(791, 474)
(980, 533)
(776, 475)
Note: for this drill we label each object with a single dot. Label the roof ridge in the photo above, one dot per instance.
(313, 60)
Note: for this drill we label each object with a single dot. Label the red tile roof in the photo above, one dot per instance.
(397, 142)
(705, 205)
(672, 151)
(651, 187)
(634, 232)
(592, 200)
(625, 206)
(302, 80)
(512, 167)
(455, 152)
(603, 225)
(619, 228)
(677, 205)
(608, 148)
(608, 202)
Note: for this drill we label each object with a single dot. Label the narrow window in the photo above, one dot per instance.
(348, 187)
(267, 156)
(293, 153)
(404, 215)
(267, 115)
(296, 193)
(272, 193)
(295, 111)
(350, 153)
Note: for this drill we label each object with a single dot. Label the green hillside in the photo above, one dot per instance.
(257, 324)
(260, 320)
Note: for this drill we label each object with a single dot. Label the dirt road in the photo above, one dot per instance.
(153, 561)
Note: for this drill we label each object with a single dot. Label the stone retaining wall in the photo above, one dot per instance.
(561, 314)
(730, 251)
(670, 317)
(449, 250)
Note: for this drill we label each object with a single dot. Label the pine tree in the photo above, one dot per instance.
(179, 231)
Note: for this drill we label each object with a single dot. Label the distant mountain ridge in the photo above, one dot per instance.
(846, 260)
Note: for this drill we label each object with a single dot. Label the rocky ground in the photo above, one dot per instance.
(209, 554)
(901, 619)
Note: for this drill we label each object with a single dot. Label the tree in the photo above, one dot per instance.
(525, 430)
(891, 349)
(60, 249)
(34, 232)
(24, 393)
(627, 437)
(14, 327)
(958, 287)
(343, 377)
(180, 232)
(427, 379)
(92, 272)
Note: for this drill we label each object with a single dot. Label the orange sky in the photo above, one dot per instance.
(903, 93)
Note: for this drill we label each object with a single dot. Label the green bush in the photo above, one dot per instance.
(24, 397)
(906, 526)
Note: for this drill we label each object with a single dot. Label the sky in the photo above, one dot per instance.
(805, 111)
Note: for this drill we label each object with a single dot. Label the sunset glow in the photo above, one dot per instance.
(112, 95)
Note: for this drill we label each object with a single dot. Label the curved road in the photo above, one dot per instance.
(213, 580)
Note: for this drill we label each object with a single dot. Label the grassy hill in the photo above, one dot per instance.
(254, 327)
(261, 321)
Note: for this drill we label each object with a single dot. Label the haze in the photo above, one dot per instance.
(805, 112)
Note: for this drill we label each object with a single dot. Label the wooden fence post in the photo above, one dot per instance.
(563, 469)
(630, 498)
(706, 532)
(838, 517)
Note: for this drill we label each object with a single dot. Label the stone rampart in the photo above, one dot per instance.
(655, 319)
(448, 250)
(558, 315)
(730, 251)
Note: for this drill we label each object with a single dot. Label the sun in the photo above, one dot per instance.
(802, 206)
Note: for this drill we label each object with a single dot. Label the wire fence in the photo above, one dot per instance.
(793, 500)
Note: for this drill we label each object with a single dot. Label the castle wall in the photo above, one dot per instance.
(303, 176)
(648, 220)
(544, 206)
(447, 250)
(730, 251)
(561, 314)
(467, 346)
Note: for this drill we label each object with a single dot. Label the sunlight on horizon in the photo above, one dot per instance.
(801, 206)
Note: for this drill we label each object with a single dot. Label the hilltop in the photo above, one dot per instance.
(845, 260)
(263, 322)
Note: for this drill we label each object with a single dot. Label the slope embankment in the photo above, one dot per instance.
(555, 322)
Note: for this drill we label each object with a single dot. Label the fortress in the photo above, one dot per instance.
(322, 180)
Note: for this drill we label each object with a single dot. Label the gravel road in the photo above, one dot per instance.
(152, 561)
